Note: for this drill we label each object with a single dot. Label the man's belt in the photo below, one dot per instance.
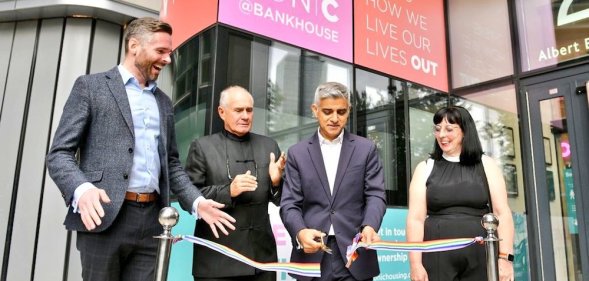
(141, 197)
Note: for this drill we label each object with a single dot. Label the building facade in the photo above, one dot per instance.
(520, 66)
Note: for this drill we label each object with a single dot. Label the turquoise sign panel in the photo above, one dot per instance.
(394, 265)
(181, 257)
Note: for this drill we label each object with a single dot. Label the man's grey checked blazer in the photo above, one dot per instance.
(97, 120)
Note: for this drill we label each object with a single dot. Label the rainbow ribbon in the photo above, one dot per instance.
(302, 269)
(425, 246)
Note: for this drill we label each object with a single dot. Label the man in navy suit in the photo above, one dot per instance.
(334, 187)
(115, 161)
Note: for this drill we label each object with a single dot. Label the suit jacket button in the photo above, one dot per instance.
(332, 212)
(125, 176)
(130, 150)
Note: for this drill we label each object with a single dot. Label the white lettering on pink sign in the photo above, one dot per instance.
(320, 25)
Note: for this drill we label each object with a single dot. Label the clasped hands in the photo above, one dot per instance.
(247, 182)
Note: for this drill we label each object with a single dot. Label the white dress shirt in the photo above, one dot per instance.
(331, 152)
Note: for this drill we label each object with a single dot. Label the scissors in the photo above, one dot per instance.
(324, 247)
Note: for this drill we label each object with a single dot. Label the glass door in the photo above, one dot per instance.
(558, 128)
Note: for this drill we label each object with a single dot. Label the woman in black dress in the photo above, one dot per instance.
(447, 199)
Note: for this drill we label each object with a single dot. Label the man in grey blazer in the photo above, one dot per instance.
(115, 161)
(334, 187)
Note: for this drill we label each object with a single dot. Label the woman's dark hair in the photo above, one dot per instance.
(471, 145)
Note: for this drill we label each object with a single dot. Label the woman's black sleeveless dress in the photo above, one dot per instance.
(456, 201)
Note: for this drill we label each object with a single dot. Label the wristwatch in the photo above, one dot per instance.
(506, 256)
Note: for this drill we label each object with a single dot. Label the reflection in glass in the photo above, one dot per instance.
(551, 32)
(283, 88)
(192, 90)
(481, 42)
(374, 91)
(378, 101)
(189, 115)
(423, 103)
(292, 78)
(559, 178)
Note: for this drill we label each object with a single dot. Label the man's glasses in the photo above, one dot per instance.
(244, 162)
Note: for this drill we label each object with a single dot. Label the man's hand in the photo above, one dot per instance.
(309, 240)
(90, 208)
(243, 183)
(209, 211)
(369, 235)
(276, 167)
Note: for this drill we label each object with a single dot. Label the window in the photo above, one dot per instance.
(192, 89)
(378, 105)
(481, 41)
(551, 32)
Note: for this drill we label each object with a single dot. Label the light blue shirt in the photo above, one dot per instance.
(144, 176)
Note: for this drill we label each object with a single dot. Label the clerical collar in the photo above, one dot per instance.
(235, 137)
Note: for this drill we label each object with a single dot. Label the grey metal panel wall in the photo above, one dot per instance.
(122, 52)
(106, 46)
(105, 51)
(31, 176)
(37, 71)
(52, 244)
(12, 117)
(6, 33)
(117, 11)
(74, 272)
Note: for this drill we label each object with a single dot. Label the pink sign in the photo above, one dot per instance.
(323, 26)
(180, 14)
(404, 38)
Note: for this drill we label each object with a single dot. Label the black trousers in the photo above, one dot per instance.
(333, 267)
(126, 251)
(467, 264)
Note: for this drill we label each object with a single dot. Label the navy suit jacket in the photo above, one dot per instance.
(358, 197)
(97, 125)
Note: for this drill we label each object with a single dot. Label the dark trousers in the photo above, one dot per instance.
(126, 251)
(260, 276)
(467, 264)
(333, 267)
